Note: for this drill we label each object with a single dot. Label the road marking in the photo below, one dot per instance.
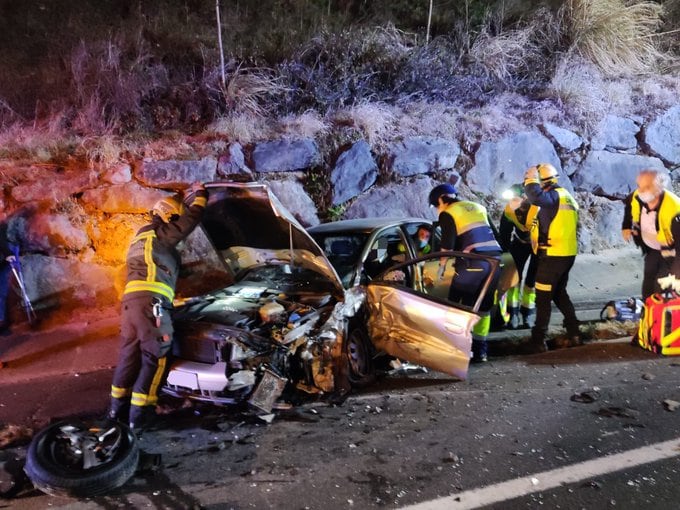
(540, 482)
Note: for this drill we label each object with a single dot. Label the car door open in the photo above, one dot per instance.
(416, 316)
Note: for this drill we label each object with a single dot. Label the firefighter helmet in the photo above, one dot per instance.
(168, 207)
(442, 190)
(546, 172)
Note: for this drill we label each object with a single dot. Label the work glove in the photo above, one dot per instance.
(441, 271)
(669, 282)
(11, 259)
(627, 234)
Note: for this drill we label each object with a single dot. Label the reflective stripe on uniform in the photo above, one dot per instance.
(545, 287)
(145, 286)
(668, 210)
(199, 201)
(139, 399)
(485, 244)
(153, 391)
(528, 297)
(118, 392)
(481, 329)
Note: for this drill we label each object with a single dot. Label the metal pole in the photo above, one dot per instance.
(219, 41)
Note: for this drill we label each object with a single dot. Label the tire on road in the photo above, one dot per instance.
(54, 473)
(359, 351)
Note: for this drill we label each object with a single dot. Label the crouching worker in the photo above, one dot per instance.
(465, 227)
(146, 327)
(652, 220)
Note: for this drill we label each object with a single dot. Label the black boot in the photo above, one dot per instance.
(513, 322)
(119, 410)
(527, 317)
(479, 351)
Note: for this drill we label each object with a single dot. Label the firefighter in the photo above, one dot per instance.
(465, 227)
(652, 220)
(514, 237)
(553, 238)
(146, 327)
(6, 256)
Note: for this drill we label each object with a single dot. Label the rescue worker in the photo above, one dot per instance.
(652, 219)
(553, 238)
(465, 227)
(146, 327)
(6, 256)
(514, 238)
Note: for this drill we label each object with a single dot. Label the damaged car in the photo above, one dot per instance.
(312, 311)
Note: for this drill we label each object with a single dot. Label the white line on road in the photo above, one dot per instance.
(540, 482)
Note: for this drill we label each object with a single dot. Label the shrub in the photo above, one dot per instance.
(618, 37)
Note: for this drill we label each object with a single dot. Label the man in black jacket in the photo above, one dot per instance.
(146, 327)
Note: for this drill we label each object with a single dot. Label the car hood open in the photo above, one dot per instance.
(248, 226)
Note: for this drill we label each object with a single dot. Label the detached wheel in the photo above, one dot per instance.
(73, 458)
(359, 350)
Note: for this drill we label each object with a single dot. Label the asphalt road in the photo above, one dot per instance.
(407, 440)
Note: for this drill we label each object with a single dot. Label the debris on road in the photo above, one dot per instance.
(670, 405)
(586, 397)
(619, 412)
(648, 377)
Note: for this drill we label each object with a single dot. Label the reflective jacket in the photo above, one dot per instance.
(668, 209)
(554, 230)
(153, 260)
(473, 232)
(518, 222)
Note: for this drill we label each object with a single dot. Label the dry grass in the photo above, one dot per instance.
(251, 91)
(243, 127)
(579, 87)
(376, 121)
(309, 124)
(619, 37)
(507, 54)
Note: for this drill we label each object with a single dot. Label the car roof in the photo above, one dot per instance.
(362, 225)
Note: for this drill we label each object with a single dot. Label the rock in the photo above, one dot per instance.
(50, 185)
(405, 200)
(119, 174)
(286, 155)
(503, 163)
(111, 238)
(175, 174)
(422, 154)
(670, 405)
(661, 136)
(122, 198)
(53, 233)
(611, 174)
(615, 133)
(599, 223)
(565, 139)
(355, 171)
(66, 283)
(648, 377)
(294, 198)
(233, 163)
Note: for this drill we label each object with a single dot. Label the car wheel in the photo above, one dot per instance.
(359, 350)
(72, 458)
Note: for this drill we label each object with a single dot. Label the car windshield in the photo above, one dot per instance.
(343, 252)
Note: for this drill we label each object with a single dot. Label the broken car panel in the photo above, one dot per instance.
(285, 318)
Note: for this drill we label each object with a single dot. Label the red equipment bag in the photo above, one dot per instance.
(659, 329)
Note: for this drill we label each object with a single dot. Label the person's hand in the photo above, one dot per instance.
(196, 186)
(627, 234)
(668, 282)
(531, 173)
(441, 271)
(11, 259)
